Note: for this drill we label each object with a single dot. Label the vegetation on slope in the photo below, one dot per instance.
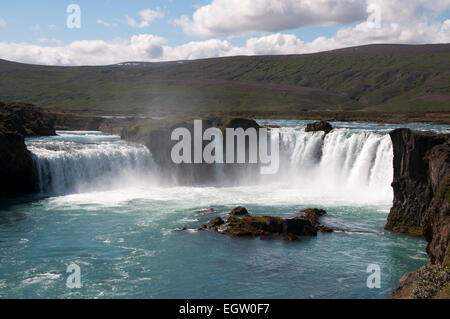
(393, 78)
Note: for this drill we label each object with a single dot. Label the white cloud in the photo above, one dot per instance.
(142, 47)
(412, 22)
(147, 16)
(236, 17)
(106, 24)
(36, 27)
(2, 23)
(230, 17)
(147, 47)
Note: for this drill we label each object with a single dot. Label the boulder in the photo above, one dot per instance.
(319, 126)
(313, 215)
(263, 226)
(299, 226)
(216, 222)
(205, 211)
(239, 211)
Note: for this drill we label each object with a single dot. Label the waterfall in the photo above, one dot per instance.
(344, 163)
(86, 161)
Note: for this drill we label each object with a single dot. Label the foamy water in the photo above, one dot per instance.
(102, 207)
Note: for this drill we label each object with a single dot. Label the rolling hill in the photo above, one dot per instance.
(388, 78)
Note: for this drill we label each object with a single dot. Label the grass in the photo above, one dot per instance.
(378, 78)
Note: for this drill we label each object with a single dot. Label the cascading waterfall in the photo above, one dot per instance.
(86, 161)
(344, 163)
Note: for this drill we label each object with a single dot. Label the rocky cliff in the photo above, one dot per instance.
(156, 135)
(422, 198)
(17, 121)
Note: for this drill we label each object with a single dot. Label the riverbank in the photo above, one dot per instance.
(116, 121)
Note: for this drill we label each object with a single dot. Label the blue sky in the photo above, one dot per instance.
(23, 15)
(217, 28)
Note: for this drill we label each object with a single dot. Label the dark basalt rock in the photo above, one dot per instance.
(26, 119)
(239, 211)
(156, 136)
(313, 215)
(270, 227)
(17, 121)
(16, 165)
(319, 126)
(299, 226)
(205, 211)
(417, 176)
(202, 227)
(265, 227)
(421, 196)
(216, 222)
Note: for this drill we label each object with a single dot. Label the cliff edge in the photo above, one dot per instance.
(17, 121)
(421, 204)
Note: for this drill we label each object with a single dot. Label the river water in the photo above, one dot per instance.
(103, 207)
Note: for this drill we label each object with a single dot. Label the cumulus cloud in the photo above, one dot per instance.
(236, 17)
(414, 22)
(2, 23)
(94, 52)
(230, 17)
(147, 16)
(147, 47)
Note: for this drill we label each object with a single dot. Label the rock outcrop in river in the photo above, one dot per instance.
(268, 227)
(17, 121)
(156, 135)
(422, 197)
(319, 126)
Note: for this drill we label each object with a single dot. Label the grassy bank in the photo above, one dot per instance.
(379, 78)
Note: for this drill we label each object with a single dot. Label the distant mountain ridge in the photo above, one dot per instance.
(393, 78)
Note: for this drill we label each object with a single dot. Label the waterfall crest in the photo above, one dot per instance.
(346, 163)
(85, 161)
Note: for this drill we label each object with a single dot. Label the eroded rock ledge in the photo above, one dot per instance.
(17, 121)
(422, 200)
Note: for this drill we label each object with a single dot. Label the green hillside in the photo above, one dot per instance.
(392, 78)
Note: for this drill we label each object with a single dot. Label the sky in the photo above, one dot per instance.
(100, 32)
